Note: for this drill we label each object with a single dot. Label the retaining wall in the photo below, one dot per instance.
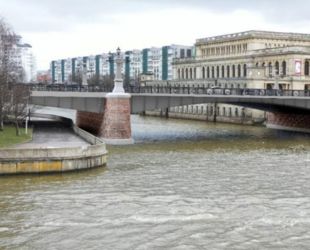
(45, 160)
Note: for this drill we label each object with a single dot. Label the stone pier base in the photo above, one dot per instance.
(117, 125)
(290, 122)
(114, 125)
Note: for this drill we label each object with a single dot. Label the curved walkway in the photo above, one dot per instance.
(50, 134)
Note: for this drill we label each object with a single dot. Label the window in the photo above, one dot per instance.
(239, 70)
(233, 71)
(284, 68)
(277, 68)
(244, 70)
(189, 53)
(223, 71)
(306, 68)
(236, 112)
(228, 71)
(270, 69)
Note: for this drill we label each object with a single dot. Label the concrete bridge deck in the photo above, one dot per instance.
(286, 109)
(95, 101)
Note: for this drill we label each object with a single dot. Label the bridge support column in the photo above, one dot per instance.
(116, 127)
(291, 122)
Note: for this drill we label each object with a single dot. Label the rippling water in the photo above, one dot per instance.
(183, 185)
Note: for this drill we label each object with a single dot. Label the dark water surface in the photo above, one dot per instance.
(183, 185)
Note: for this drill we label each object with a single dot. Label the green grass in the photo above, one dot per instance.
(8, 137)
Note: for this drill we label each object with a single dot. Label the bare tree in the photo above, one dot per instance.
(5, 48)
(12, 98)
(19, 98)
(76, 78)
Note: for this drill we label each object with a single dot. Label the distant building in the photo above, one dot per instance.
(147, 77)
(155, 61)
(24, 60)
(253, 59)
(43, 76)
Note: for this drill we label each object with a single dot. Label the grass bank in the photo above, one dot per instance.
(8, 137)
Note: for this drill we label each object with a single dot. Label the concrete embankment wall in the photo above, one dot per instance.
(232, 114)
(45, 160)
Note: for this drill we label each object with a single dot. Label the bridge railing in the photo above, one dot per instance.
(70, 88)
(188, 90)
(214, 91)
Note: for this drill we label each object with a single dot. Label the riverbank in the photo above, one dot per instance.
(235, 115)
(55, 148)
(8, 137)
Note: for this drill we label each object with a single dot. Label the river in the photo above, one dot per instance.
(183, 185)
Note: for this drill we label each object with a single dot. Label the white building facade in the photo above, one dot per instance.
(156, 61)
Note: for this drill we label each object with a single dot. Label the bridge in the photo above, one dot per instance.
(287, 108)
(92, 99)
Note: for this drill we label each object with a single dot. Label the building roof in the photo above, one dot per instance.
(255, 34)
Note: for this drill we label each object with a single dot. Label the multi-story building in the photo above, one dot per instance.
(43, 76)
(158, 61)
(155, 61)
(27, 61)
(253, 59)
(57, 75)
(133, 65)
(22, 56)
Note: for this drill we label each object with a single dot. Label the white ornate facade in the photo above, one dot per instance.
(252, 59)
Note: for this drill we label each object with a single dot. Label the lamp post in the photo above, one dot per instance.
(117, 127)
(84, 73)
(118, 81)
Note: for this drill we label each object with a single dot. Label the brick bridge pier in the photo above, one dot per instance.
(289, 121)
(114, 125)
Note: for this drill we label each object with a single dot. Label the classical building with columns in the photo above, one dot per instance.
(251, 59)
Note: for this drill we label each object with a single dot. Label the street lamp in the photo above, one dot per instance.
(118, 82)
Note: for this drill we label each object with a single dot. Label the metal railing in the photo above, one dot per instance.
(70, 88)
(188, 90)
(197, 90)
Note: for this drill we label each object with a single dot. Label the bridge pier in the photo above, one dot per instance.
(288, 121)
(116, 127)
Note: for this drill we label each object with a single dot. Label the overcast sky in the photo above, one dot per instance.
(68, 28)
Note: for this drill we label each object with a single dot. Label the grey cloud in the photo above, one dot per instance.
(46, 15)
(277, 11)
(49, 15)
